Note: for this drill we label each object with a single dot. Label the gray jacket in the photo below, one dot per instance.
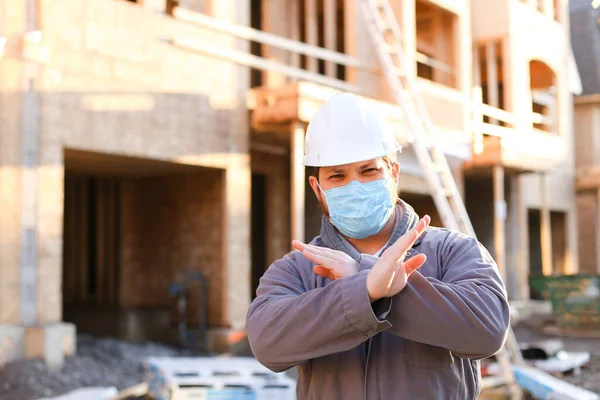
(422, 344)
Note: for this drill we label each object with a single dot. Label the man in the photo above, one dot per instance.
(350, 310)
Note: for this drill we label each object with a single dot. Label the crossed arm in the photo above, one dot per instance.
(466, 311)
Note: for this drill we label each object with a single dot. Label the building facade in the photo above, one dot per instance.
(139, 139)
(585, 38)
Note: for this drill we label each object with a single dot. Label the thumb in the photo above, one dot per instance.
(324, 272)
(399, 248)
(414, 263)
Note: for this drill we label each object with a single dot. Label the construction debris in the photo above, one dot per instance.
(239, 378)
(93, 393)
(543, 386)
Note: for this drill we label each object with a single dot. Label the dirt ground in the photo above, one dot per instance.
(108, 362)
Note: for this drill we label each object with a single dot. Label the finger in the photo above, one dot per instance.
(319, 252)
(414, 263)
(316, 258)
(406, 241)
(323, 250)
(399, 248)
(324, 272)
(298, 245)
(423, 224)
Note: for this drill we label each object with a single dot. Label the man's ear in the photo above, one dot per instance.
(312, 180)
(396, 172)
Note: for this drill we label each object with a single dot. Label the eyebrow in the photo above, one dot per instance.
(334, 170)
(370, 164)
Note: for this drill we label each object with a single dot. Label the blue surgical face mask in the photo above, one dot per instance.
(359, 210)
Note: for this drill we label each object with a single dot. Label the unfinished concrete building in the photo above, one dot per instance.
(585, 38)
(142, 138)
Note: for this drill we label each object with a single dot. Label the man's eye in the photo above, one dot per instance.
(371, 170)
(336, 176)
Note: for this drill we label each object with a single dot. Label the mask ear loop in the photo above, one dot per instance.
(324, 195)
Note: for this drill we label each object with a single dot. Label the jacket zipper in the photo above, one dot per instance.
(367, 367)
(408, 254)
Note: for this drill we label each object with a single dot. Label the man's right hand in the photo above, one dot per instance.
(390, 274)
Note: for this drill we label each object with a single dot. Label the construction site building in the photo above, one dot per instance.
(142, 138)
(585, 39)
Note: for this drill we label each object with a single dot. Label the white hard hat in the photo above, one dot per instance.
(345, 130)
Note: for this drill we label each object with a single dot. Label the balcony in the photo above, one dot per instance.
(501, 139)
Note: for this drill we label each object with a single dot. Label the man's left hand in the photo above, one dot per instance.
(331, 264)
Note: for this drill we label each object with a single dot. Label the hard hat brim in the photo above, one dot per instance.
(332, 160)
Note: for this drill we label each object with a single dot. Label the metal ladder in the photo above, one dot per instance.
(386, 34)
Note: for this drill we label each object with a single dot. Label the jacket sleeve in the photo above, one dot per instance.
(288, 325)
(466, 311)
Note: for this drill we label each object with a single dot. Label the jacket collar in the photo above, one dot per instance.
(406, 218)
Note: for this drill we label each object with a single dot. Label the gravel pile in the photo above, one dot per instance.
(99, 362)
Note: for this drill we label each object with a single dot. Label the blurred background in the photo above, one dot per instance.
(150, 164)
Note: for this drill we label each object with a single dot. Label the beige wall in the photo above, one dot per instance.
(12, 22)
(108, 84)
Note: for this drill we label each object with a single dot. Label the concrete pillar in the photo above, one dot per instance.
(523, 235)
(513, 240)
(500, 221)
(10, 192)
(545, 234)
(50, 211)
(237, 240)
(298, 179)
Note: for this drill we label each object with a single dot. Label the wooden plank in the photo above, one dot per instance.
(68, 262)
(256, 35)
(330, 18)
(294, 23)
(83, 235)
(118, 232)
(72, 239)
(498, 114)
(311, 27)
(298, 178)
(100, 238)
(250, 60)
(438, 46)
(500, 220)
(549, 8)
(492, 76)
(111, 242)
